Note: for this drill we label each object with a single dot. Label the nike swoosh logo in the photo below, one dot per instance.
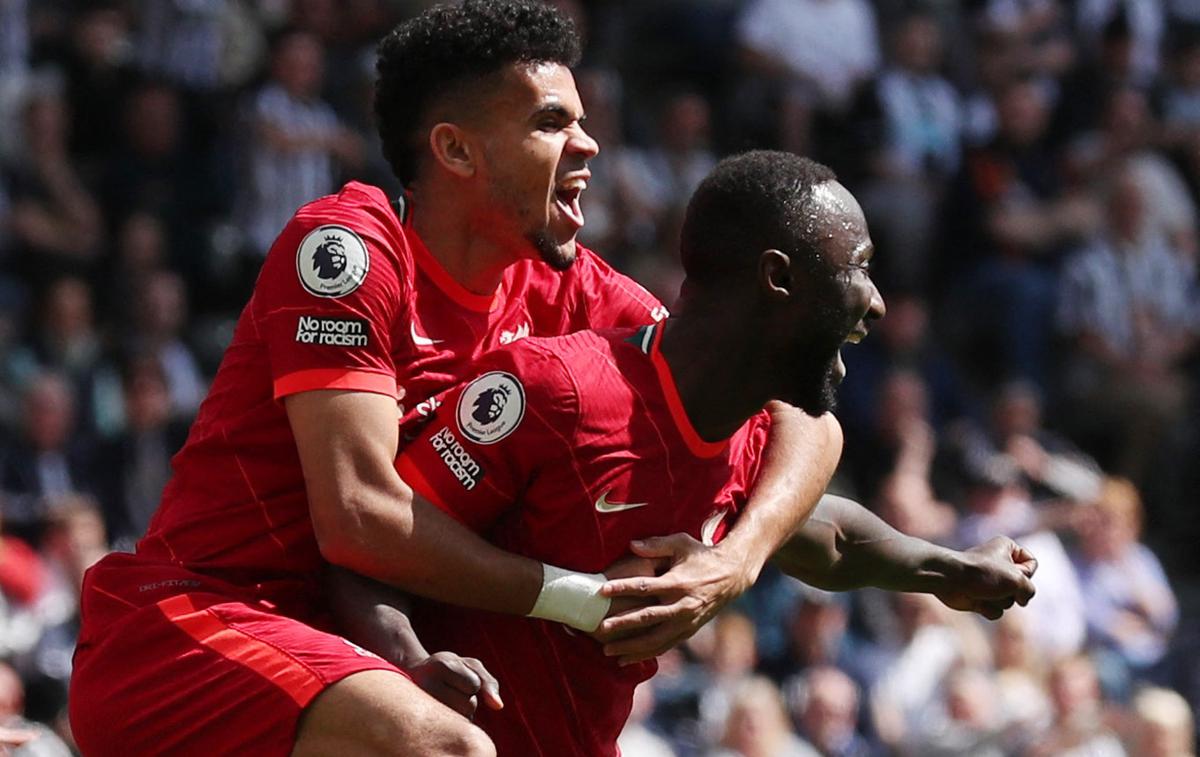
(422, 341)
(604, 506)
(709, 530)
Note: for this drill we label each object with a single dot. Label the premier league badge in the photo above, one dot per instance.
(332, 261)
(491, 407)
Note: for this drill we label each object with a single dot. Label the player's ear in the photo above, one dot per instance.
(452, 149)
(775, 274)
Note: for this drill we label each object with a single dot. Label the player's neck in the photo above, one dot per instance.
(469, 257)
(714, 371)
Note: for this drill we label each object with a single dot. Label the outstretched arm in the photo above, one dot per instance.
(845, 546)
(800, 457)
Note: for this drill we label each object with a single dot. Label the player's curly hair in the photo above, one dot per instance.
(448, 46)
(754, 201)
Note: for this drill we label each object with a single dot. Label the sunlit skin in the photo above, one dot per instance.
(516, 161)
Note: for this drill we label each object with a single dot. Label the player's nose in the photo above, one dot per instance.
(583, 144)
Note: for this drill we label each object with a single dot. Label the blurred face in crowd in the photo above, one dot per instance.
(1127, 208)
(757, 722)
(918, 45)
(903, 399)
(164, 305)
(971, 699)
(817, 629)
(100, 37)
(49, 413)
(1023, 113)
(299, 65)
(46, 124)
(686, 123)
(153, 122)
(147, 401)
(905, 327)
(68, 311)
(830, 709)
(1074, 688)
(1017, 411)
(735, 650)
(532, 162)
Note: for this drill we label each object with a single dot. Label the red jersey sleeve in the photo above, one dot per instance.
(746, 453)
(516, 414)
(608, 298)
(332, 290)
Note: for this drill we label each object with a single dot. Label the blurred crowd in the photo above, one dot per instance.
(1031, 173)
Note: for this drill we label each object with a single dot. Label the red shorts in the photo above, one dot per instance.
(198, 674)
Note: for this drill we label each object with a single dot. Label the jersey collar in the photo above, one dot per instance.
(649, 340)
(429, 265)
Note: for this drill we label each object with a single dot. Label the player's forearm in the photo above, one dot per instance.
(800, 458)
(395, 536)
(844, 546)
(373, 615)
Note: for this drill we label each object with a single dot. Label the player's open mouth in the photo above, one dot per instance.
(856, 336)
(566, 197)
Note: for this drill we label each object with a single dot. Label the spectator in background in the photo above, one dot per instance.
(1009, 218)
(1163, 724)
(1049, 464)
(929, 646)
(996, 503)
(24, 581)
(920, 120)
(824, 703)
(1079, 718)
(653, 183)
(54, 221)
(1146, 21)
(638, 739)
(970, 724)
(730, 660)
(137, 463)
(295, 141)
(162, 310)
(1128, 305)
(1020, 673)
(181, 40)
(49, 460)
(160, 169)
(1123, 142)
(67, 340)
(1131, 610)
(758, 726)
(74, 541)
(902, 341)
(99, 71)
(813, 53)
(37, 740)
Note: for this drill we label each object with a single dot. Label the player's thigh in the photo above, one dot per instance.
(376, 712)
(198, 675)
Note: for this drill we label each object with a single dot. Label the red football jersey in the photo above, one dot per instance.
(348, 298)
(565, 450)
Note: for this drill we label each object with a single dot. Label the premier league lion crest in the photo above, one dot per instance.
(491, 407)
(490, 404)
(332, 261)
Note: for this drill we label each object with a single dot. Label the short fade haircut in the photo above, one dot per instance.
(449, 46)
(755, 201)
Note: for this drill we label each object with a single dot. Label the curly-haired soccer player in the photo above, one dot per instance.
(216, 636)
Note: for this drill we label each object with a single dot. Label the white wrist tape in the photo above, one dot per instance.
(571, 598)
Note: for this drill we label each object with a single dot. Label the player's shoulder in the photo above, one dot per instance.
(360, 207)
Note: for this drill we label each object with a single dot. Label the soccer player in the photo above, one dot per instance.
(216, 636)
(566, 449)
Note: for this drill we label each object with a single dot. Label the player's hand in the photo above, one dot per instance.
(994, 576)
(701, 581)
(460, 683)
